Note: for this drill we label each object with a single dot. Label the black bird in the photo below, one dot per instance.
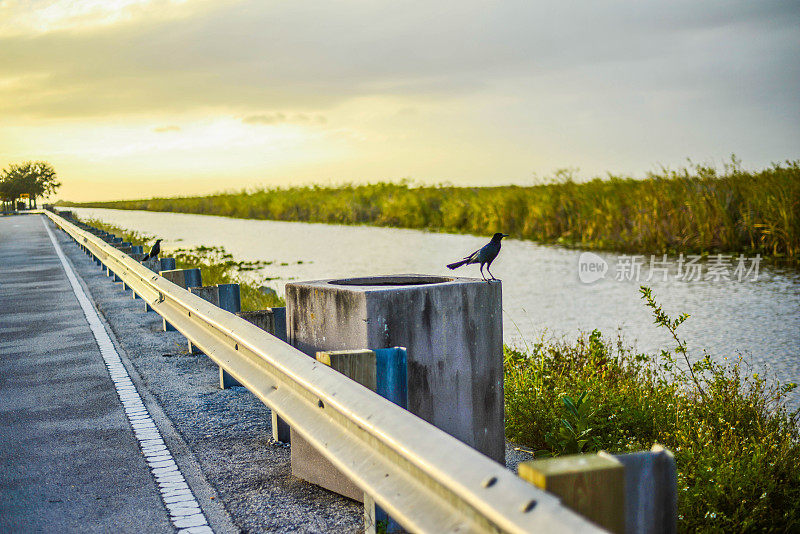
(154, 251)
(484, 255)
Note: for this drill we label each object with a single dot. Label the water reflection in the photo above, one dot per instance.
(542, 289)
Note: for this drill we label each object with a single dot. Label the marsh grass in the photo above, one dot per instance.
(697, 209)
(736, 445)
(217, 266)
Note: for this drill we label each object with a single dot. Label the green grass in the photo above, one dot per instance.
(217, 266)
(736, 446)
(693, 210)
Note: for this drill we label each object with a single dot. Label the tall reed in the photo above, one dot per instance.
(698, 209)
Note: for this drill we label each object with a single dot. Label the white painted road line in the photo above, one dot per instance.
(183, 508)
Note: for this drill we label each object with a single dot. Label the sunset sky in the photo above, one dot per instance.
(140, 98)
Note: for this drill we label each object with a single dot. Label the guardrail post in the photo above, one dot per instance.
(384, 371)
(592, 485)
(185, 278)
(157, 265)
(273, 320)
(392, 384)
(651, 491)
(136, 254)
(167, 264)
(228, 297)
(307, 463)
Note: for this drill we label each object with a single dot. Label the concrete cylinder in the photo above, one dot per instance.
(451, 327)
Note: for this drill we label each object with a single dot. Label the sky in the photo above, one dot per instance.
(141, 98)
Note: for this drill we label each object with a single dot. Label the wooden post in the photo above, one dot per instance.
(592, 485)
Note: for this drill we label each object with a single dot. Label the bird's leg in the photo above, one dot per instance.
(490, 272)
(482, 275)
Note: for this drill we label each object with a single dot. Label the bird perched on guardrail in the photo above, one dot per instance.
(154, 252)
(484, 255)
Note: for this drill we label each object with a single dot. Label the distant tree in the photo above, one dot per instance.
(36, 178)
(10, 188)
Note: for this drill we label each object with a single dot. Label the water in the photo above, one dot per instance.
(542, 292)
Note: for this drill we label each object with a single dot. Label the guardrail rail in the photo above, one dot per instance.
(422, 477)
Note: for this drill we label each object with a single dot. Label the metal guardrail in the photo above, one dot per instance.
(425, 479)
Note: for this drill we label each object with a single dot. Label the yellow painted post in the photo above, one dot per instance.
(358, 365)
(592, 485)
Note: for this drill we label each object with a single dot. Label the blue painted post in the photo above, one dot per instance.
(392, 375)
(186, 278)
(279, 317)
(167, 264)
(135, 249)
(392, 384)
(227, 297)
(280, 428)
(230, 299)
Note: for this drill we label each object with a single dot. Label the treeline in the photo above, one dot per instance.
(696, 209)
(30, 180)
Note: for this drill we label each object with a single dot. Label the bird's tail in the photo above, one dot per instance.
(457, 264)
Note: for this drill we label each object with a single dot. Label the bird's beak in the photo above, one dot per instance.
(505, 235)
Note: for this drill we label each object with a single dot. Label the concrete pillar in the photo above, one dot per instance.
(137, 249)
(227, 297)
(451, 328)
(273, 320)
(185, 278)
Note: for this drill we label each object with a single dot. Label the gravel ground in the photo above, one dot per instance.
(227, 433)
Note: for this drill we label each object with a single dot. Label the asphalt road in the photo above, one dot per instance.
(71, 461)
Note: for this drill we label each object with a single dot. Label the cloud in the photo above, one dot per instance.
(165, 129)
(249, 55)
(284, 118)
(266, 118)
(21, 17)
